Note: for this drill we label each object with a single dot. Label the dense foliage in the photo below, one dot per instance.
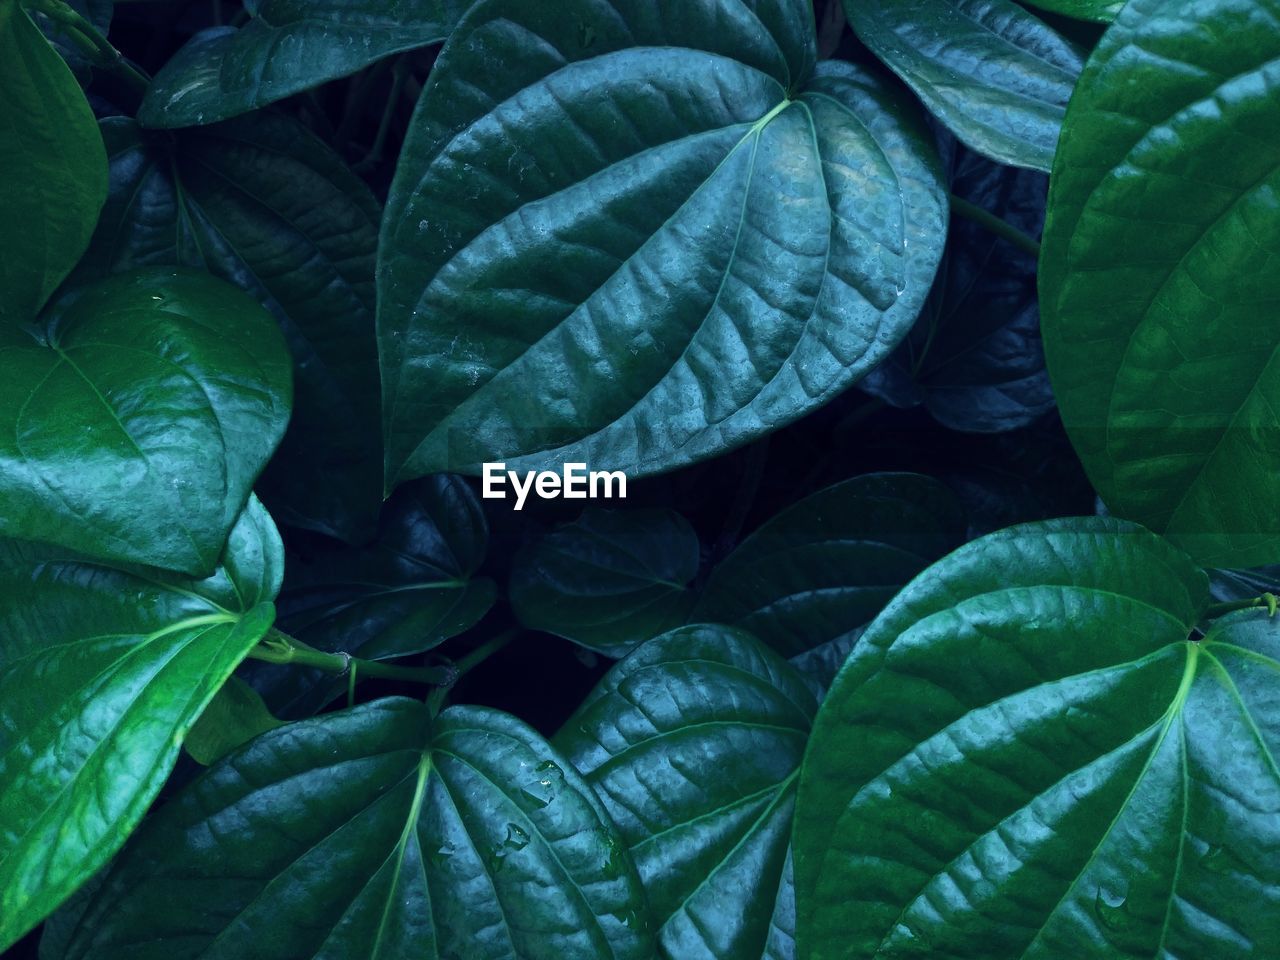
(937, 620)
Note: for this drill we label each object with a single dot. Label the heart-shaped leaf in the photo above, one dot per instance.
(998, 76)
(286, 47)
(55, 168)
(135, 425)
(264, 204)
(373, 834)
(639, 234)
(102, 671)
(610, 580)
(1160, 260)
(693, 744)
(1030, 755)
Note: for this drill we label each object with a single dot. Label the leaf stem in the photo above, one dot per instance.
(86, 36)
(971, 211)
(435, 699)
(1268, 600)
(280, 648)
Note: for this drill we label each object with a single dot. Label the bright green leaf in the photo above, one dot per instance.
(138, 417)
(639, 234)
(54, 168)
(1028, 756)
(1160, 275)
(610, 580)
(102, 671)
(376, 834)
(693, 744)
(286, 47)
(233, 717)
(994, 73)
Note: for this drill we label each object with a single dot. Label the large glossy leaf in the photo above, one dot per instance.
(638, 234)
(376, 834)
(264, 204)
(1160, 263)
(409, 591)
(693, 744)
(1029, 756)
(998, 76)
(286, 47)
(138, 417)
(55, 170)
(824, 567)
(102, 671)
(610, 580)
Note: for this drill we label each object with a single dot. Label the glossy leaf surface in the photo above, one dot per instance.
(264, 204)
(102, 671)
(693, 744)
(824, 567)
(666, 206)
(1160, 259)
(136, 425)
(610, 580)
(1102, 11)
(998, 76)
(287, 46)
(55, 170)
(376, 833)
(1026, 757)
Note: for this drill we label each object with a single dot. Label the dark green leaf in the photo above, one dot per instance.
(98, 13)
(1159, 267)
(376, 834)
(137, 423)
(693, 744)
(638, 234)
(824, 567)
(1228, 585)
(265, 205)
(1103, 11)
(286, 47)
(995, 74)
(102, 671)
(54, 168)
(610, 580)
(1027, 758)
(233, 717)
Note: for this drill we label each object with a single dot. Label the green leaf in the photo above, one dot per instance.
(233, 717)
(825, 566)
(286, 47)
(376, 833)
(138, 417)
(638, 234)
(408, 592)
(995, 74)
(264, 204)
(102, 671)
(1159, 261)
(1027, 758)
(96, 12)
(693, 744)
(1102, 11)
(610, 580)
(55, 169)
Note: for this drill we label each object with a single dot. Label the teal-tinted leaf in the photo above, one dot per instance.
(138, 417)
(610, 580)
(102, 671)
(998, 76)
(693, 744)
(1103, 11)
(409, 591)
(638, 234)
(1027, 758)
(98, 13)
(1229, 585)
(824, 567)
(1161, 256)
(233, 717)
(286, 47)
(264, 204)
(376, 833)
(55, 170)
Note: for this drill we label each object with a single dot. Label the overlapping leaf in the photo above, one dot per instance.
(638, 234)
(1103, 11)
(1159, 267)
(373, 834)
(102, 671)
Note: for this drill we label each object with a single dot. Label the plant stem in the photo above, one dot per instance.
(399, 72)
(435, 699)
(1268, 600)
(87, 37)
(971, 211)
(283, 649)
